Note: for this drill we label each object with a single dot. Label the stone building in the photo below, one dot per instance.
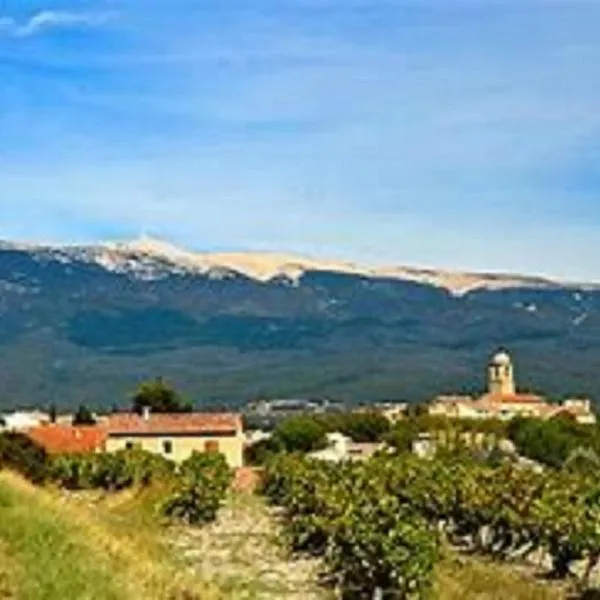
(503, 401)
(176, 436)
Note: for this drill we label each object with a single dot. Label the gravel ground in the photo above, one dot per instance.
(241, 552)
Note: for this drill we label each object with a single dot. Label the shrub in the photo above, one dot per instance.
(22, 454)
(144, 468)
(108, 471)
(197, 492)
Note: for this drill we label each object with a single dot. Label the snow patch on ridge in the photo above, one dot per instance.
(148, 258)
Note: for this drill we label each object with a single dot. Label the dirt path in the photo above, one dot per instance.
(241, 553)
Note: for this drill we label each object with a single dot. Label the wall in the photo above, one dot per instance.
(182, 446)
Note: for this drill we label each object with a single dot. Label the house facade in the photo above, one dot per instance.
(176, 436)
(503, 401)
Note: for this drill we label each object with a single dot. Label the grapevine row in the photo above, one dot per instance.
(379, 524)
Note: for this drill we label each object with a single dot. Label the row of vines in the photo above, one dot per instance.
(189, 492)
(379, 525)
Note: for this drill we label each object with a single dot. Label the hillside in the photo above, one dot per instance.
(85, 324)
(52, 550)
(107, 550)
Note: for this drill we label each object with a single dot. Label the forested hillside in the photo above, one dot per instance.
(76, 330)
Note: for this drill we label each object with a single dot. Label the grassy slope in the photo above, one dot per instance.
(56, 550)
(483, 580)
(53, 549)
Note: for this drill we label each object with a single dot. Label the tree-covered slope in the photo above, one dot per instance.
(74, 329)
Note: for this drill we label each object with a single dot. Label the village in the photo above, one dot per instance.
(176, 435)
(249, 502)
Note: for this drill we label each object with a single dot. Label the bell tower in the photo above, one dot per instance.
(501, 378)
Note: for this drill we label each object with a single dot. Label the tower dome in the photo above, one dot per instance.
(501, 359)
(501, 381)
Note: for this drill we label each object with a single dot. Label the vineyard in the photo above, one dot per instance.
(190, 492)
(381, 526)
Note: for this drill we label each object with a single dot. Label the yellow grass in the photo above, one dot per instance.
(465, 578)
(65, 550)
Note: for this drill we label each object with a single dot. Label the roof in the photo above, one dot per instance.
(364, 448)
(513, 399)
(501, 359)
(66, 439)
(173, 424)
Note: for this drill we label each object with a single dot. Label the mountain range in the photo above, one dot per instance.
(86, 323)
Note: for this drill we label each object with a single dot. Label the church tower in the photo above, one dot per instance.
(501, 378)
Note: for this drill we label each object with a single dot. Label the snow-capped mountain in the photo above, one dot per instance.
(149, 258)
(85, 323)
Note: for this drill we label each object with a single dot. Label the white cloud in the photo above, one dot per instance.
(50, 19)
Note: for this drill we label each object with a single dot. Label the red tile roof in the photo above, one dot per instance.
(66, 439)
(173, 424)
(513, 398)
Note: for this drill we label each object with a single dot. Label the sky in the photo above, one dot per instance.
(446, 133)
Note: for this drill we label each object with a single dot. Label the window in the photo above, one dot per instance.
(168, 447)
(211, 446)
(128, 445)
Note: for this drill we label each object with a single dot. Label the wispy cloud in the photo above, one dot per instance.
(51, 19)
(446, 133)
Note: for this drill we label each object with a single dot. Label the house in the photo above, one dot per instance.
(21, 420)
(66, 439)
(424, 446)
(392, 411)
(177, 435)
(340, 447)
(503, 401)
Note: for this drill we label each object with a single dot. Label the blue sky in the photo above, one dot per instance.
(453, 133)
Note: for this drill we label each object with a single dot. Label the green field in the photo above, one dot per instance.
(56, 550)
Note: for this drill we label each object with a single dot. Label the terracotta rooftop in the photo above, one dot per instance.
(66, 439)
(513, 399)
(173, 424)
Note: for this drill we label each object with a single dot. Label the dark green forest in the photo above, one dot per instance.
(72, 332)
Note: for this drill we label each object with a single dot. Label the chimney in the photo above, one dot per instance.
(146, 413)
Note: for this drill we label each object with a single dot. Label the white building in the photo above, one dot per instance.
(341, 447)
(20, 420)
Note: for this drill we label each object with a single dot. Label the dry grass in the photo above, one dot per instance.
(465, 578)
(8, 576)
(70, 551)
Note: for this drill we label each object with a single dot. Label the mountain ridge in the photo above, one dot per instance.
(267, 266)
(88, 323)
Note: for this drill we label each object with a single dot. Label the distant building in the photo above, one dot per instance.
(424, 446)
(392, 411)
(341, 448)
(266, 414)
(20, 420)
(176, 436)
(503, 401)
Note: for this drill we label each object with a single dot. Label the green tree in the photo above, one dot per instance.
(160, 397)
(52, 413)
(83, 416)
(402, 436)
(22, 454)
(365, 426)
(300, 434)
